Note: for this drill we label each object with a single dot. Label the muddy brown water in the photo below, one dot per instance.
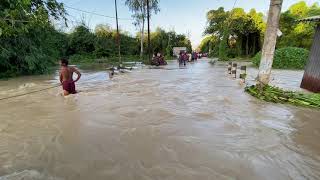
(174, 124)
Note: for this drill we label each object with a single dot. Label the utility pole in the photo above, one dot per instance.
(269, 44)
(118, 34)
(149, 45)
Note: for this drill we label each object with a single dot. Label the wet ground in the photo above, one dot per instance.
(174, 124)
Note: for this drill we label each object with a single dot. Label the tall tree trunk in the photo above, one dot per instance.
(239, 45)
(269, 43)
(254, 48)
(142, 39)
(247, 45)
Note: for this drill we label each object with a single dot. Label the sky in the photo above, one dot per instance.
(184, 16)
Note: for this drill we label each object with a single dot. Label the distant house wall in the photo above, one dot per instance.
(311, 77)
(177, 50)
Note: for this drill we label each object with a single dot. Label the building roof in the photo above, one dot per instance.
(310, 19)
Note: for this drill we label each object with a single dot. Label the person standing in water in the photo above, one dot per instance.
(66, 77)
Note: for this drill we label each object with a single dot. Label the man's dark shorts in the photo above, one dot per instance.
(69, 86)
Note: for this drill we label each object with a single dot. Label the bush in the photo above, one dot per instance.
(286, 58)
(214, 52)
(232, 53)
(91, 59)
(82, 58)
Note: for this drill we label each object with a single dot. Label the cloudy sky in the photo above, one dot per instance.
(183, 16)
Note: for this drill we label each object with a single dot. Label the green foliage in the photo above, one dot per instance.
(297, 34)
(223, 47)
(286, 58)
(209, 45)
(163, 41)
(249, 28)
(245, 29)
(216, 21)
(139, 9)
(81, 40)
(277, 95)
(86, 46)
(29, 43)
(101, 46)
(214, 52)
(82, 58)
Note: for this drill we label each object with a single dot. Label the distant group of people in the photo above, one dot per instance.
(194, 56)
(158, 60)
(66, 72)
(183, 58)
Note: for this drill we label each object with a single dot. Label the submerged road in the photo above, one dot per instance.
(154, 124)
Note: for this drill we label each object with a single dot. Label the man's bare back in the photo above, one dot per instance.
(67, 73)
(66, 78)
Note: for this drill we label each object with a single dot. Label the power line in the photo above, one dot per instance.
(97, 14)
(234, 4)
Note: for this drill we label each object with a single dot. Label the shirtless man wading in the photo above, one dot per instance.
(66, 73)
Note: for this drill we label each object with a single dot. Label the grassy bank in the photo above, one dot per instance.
(277, 95)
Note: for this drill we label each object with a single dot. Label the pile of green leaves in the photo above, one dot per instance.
(277, 95)
(286, 58)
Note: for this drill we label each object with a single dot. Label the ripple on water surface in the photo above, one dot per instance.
(192, 123)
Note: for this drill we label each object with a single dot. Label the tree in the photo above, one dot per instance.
(103, 30)
(257, 32)
(163, 41)
(297, 34)
(241, 25)
(104, 46)
(239, 33)
(81, 40)
(269, 42)
(139, 9)
(29, 43)
(314, 10)
(216, 21)
(208, 44)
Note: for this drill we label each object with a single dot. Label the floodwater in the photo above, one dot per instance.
(155, 124)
